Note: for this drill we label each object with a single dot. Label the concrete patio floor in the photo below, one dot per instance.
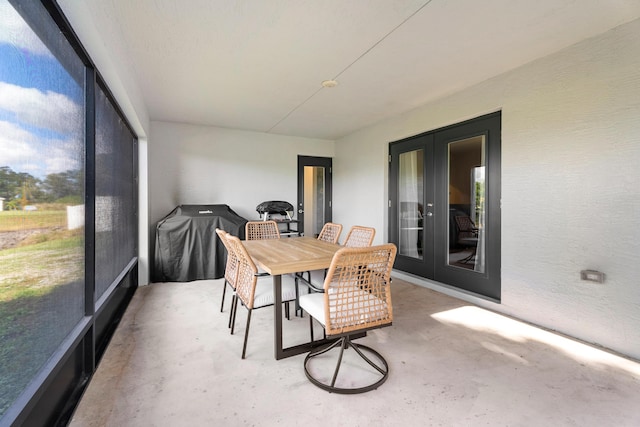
(172, 362)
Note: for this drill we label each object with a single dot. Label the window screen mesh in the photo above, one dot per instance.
(41, 195)
(116, 230)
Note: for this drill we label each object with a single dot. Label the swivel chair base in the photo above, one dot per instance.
(346, 343)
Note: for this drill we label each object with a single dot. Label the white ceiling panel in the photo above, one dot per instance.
(258, 64)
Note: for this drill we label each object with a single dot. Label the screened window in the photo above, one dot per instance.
(41, 198)
(68, 215)
(115, 194)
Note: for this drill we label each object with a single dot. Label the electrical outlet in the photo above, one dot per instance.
(592, 276)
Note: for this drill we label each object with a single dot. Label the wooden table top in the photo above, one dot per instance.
(291, 254)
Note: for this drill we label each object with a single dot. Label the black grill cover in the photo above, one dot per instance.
(274, 207)
(187, 247)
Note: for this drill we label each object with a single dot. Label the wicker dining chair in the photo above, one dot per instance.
(359, 237)
(261, 230)
(230, 270)
(356, 298)
(330, 233)
(253, 289)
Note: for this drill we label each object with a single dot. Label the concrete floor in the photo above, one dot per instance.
(172, 362)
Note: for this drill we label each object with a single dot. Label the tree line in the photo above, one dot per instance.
(20, 189)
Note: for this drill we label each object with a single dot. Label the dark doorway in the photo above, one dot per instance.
(314, 194)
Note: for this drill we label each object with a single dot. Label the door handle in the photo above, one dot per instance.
(429, 213)
(300, 211)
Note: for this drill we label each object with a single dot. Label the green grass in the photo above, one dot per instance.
(31, 329)
(41, 295)
(43, 260)
(31, 270)
(21, 220)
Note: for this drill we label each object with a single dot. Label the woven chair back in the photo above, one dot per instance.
(466, 227)
(357, 289)
(262, 230)
(247, 270)
(360, 237)
(330, 232)
(231, 267)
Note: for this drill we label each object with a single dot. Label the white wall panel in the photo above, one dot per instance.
(570, 184)
(209, 165)
(191, 164)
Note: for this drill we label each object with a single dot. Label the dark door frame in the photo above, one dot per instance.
(434, 240)
(414, 265)
(326, 163)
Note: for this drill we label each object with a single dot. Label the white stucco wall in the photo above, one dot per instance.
(570, 184)
(190, 164)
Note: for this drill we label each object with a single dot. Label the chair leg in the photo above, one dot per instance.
(246, 334)
(297, 277)
(297, 308)
(468, 258)
(224, 291)
(356, 347)
(232, 315)
(343, 345)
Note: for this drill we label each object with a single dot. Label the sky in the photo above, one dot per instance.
(41, 113)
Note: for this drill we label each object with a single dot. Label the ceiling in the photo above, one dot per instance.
(258, 64)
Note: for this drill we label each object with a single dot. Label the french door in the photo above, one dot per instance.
(444, 205)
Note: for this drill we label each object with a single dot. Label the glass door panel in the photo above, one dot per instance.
(314, 193)
(466, 184)
(411, 210)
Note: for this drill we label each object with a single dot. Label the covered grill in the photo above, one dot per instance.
(187, 247)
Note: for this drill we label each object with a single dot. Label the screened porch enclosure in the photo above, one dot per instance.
(68, 224)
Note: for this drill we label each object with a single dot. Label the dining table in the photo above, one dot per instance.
(289, 255)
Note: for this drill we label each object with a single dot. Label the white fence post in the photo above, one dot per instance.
(75, 217)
